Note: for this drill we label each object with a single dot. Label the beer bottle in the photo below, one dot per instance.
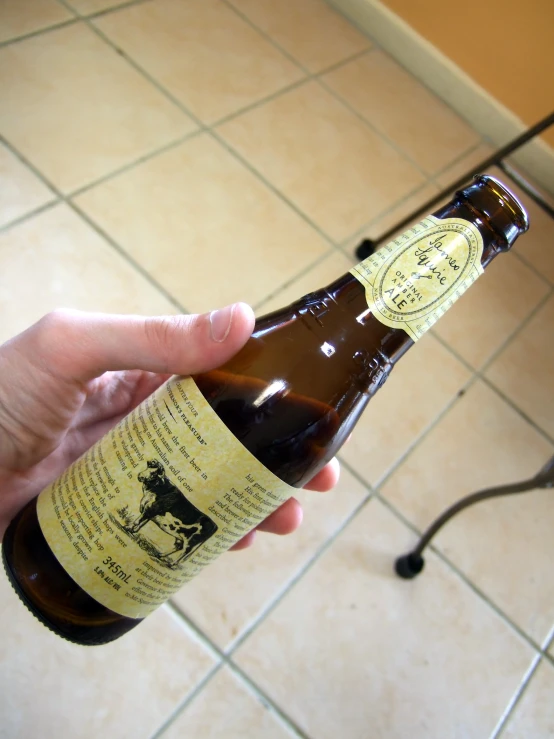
(206, 458)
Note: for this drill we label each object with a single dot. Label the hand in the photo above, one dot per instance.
(72, 376)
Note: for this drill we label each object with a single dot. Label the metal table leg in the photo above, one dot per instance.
(409, 565)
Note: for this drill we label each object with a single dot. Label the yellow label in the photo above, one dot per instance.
(412, 281)
(156, 500)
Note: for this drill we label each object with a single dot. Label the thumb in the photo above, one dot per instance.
(80, 346)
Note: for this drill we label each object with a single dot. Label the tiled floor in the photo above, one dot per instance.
(175, 155)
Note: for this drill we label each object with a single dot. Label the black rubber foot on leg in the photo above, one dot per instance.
(409, 566)
(365, 249)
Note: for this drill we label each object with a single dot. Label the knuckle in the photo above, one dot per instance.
(56, 329)
(56, 321)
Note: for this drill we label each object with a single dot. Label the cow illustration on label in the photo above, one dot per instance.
(164, 505)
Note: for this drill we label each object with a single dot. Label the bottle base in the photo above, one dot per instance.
(88, 622)
(38, 615)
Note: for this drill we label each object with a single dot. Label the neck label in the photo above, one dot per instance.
(412, 281)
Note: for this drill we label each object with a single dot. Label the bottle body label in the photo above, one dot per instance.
(159, 497)
(412, 281)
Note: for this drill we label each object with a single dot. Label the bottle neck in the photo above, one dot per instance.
(477, 205)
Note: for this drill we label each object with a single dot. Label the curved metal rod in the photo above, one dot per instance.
(409, 565)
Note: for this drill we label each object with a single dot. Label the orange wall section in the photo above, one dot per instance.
(506, 46)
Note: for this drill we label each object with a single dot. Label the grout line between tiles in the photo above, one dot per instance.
(224, 660)
(62, 198)
(209, 128)
(343, 62)
(426, 431)
(387, 211)
(278, 290)
(334, 5)
(123, 253)
(269, 38)
(549, 641)
(317, 77)
(352, 471)
(480, 372)
(516, 698)
(546, 436)
(265, 699)
(136, 162)
(523, 259)
(458, 572)
(453, 163)
(147, 76)
(30, 214)
(266, 36)
(113, 9)
(477, 375)
(404, 155)
(187, 700)
(272, 603)
(272, 187)
(40, 31)
(211, 132)
(257, 103)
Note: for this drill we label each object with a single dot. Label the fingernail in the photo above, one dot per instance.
(220, 323)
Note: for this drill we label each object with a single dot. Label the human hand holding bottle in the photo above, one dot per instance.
(70, 377)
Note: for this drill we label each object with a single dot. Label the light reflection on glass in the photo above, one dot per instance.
(278, 387)
(363, 316)
(327, 349)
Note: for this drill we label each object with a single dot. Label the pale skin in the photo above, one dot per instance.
(66, 380)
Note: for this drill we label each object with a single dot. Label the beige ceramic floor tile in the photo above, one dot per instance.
(212, 60)
(21, 190)
(19, 17)
(225, 599)
(311, 31)
(488, 314)
(420, 388)
(354, 651)
(77, 110)
(392, 216)
(204, 226)
(533, 717)
(226, 708)
(463, 165)
(536, 246)
(55, 259)
(125, 689)
(504, 546)
(321, 156)
(524, 371)
(329, 269)
(403, 109)
(93, 6)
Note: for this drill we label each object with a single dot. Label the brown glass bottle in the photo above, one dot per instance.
(291, 396)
